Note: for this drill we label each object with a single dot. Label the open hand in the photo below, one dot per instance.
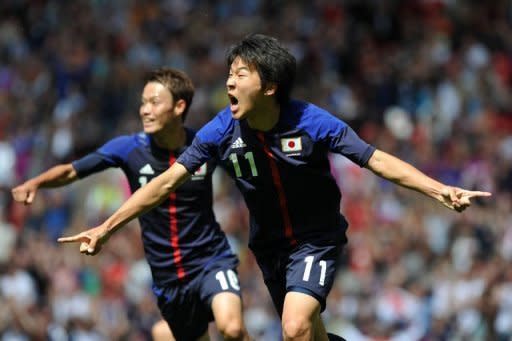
(459, 199)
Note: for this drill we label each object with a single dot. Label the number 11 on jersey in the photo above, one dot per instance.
(249, 156)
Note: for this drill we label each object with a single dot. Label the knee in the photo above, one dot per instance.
(232, 330)
(296, 328)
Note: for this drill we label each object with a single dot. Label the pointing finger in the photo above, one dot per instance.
(72, 239)
(472, 194)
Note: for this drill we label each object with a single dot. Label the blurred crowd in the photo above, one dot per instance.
(427, 80)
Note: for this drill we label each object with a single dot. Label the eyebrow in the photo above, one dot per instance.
(240, 68)
(149, 97)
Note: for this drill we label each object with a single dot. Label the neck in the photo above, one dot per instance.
(171, 138)
(265, 118)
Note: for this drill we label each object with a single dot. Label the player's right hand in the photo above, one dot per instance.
(91, 240)
(24, 193)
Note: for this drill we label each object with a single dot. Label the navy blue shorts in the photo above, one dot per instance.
(187, 306)
(309, 268)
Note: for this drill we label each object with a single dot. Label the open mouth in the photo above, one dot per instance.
(233, 100)
(234, 103)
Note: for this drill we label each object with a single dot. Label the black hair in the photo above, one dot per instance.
(273, 62)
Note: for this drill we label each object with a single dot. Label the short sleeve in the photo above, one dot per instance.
(196, 154)
(206, 143)
(325, 128)
(111, 154)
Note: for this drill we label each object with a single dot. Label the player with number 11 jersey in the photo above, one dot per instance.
(282, 173)
(276, 149)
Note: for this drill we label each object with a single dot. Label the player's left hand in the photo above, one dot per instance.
(459, 199)
(91, 240)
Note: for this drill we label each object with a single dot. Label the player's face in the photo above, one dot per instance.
(244, 89)
(157, 108)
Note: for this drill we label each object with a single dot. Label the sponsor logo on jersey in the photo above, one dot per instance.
(147, 170)
(239, 143)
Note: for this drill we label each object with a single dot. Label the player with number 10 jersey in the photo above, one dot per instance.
(193, 268)
(183, 243)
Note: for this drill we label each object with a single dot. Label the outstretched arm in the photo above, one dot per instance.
(141, 201)
(57, 176)
(404, 174)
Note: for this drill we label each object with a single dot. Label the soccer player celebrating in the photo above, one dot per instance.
(276, 149)
(193, 268)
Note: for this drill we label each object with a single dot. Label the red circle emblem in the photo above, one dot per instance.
(291, 144)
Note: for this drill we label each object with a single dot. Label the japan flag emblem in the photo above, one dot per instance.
(200, 173)
(291, 144)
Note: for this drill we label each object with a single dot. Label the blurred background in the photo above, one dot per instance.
(426, 80)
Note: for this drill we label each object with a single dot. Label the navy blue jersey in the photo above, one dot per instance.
(283, 174)
(180, 236)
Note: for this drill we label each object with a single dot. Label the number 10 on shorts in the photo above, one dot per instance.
(307, 271)
(226, 281)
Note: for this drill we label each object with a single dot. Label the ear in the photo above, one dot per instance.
(180, 106)
(270, 89)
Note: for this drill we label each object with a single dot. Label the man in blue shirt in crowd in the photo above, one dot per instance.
(276, 149)
(193, 267)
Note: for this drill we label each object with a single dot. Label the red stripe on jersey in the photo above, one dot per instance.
(276, 178)
(173, 222)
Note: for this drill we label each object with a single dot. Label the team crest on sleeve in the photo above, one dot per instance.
(200, 173)
(291, 145)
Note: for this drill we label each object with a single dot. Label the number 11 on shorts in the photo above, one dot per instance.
(307, 271)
